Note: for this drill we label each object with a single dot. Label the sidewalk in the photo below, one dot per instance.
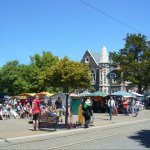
(14, 128)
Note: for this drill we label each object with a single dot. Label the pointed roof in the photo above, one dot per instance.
(95, 56)
(103, 55)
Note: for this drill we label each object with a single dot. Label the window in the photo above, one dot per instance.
(87, 59)
(93, 75)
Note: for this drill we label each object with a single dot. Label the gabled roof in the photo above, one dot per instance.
(99, 57)
(95, 56)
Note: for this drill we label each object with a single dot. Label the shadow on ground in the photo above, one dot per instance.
(143, 137)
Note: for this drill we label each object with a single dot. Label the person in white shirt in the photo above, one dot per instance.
(111, 104)
(136, 107)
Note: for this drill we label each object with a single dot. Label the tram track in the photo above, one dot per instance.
(92, 139)
(92, 131)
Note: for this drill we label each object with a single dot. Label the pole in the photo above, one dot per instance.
(110, 83)
(66, 115)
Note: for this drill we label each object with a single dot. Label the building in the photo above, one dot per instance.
(99, 64)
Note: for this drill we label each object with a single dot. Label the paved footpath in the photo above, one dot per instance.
(20, 128)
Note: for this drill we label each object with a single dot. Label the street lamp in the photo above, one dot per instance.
(110, 77)
(110, 84)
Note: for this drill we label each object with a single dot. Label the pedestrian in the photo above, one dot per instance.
(106, 106)
(132, 103)
(136, 108)
(111, 104)
(59, 109)
(125, 107)
(116, 109)
(36, 110)
(87, 112)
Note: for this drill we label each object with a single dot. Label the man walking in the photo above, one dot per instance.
(111, 104)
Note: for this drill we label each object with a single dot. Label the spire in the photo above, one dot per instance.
(103, 56)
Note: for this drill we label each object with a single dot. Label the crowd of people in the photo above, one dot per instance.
(33, 109)
(125, 106)
(25, 109)
(15, 109)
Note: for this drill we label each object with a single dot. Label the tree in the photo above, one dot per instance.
(37, 66)
(11, 80)
(134, 60)
(68, 75)
(17, 78)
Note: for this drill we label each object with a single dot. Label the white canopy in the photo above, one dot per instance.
(136, 94)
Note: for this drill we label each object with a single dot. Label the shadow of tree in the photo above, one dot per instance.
(143, 137)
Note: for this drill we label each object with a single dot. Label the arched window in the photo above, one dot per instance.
(93, 75)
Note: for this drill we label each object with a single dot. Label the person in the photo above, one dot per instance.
(116, 109)
(106, 106)
(36, 110)
(80, 116)
(125, 107)
(20, 110)
(52, 110)
(136, 111)
(111, 104)
(87, 112)
(59, 109)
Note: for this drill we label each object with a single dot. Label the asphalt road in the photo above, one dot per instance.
(125, 135)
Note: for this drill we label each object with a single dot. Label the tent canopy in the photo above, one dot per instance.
(85, 93)
(98, 93)
(45, 94)
(74, 95)
(27, 94)
(136, 94)
(122, 93)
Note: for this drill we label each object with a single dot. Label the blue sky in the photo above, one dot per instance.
(67, 27)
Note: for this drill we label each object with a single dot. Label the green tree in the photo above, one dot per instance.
(16, 78)
(68, 75)
(37, 66)
(134, 60)
(11, 81)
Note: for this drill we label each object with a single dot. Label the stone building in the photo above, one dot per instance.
(99, 64)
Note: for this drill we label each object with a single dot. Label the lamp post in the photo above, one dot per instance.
(110, 76)
(110, 84)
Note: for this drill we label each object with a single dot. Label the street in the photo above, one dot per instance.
(123, 135)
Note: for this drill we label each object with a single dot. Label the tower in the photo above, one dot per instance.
(104, 70)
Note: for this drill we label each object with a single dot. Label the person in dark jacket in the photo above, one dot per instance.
(87, 111)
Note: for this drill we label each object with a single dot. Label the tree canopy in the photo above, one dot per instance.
(134, 60)
(68, 75)
(18, 78)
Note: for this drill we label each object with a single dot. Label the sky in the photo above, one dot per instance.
(68, 27)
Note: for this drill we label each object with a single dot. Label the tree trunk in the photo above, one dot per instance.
(66, 116)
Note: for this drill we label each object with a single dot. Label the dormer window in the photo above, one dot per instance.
(87, 59)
